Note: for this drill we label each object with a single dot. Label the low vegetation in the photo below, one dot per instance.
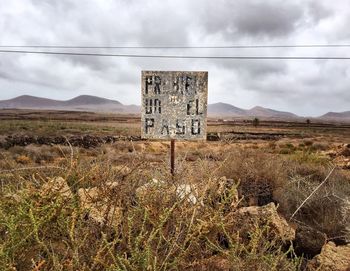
(230, 206)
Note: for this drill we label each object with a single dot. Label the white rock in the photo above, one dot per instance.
(188, 192)
(59, 186)
(100, 209)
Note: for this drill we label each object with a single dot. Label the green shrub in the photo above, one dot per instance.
(157, 232)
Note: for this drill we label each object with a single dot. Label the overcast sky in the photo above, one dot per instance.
(305, 87)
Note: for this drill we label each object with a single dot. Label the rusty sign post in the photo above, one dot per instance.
(174, 106)
(172, 157)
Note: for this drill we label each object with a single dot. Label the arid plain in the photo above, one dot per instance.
(82, 191)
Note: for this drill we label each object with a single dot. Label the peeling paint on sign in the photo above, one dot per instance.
(174, 105)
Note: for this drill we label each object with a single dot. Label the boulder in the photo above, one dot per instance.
(342, 162)
(215, 193)
(99, 207)
(121, 169)
(309, 241)
(222, 191)
(345, 151)
(265, 215)
(57, 186)
(331, 258)
(146, 189)
(183, 191)
(213, 136)
(188, 192)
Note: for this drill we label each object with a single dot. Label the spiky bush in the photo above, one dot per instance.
(156, 231)
(327, 210)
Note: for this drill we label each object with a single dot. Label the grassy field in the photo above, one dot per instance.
(115, 206)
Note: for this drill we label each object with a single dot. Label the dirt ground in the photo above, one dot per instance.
(46, 227)
(92, 131)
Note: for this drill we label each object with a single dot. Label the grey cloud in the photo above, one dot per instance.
(318, 11)
(253, 68)
(251, 18)
(271, 19)
(303, 87)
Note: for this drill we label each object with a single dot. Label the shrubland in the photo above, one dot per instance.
(136, 216)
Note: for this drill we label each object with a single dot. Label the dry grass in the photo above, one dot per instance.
(159, 231)
(258, 173)
(327, 210)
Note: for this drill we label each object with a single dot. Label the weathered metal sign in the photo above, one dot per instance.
(174, 105)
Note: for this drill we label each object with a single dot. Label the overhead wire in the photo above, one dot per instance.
(178, 56)
(182, 47)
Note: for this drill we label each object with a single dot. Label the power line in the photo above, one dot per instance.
(177, 56)
(182, 47)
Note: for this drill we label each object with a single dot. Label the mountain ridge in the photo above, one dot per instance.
(336, 115)
(78, 103)
(99, 104)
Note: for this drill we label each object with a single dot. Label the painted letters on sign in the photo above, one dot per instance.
(174, 105)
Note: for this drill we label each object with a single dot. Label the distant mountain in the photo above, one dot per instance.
(228, 110)
(27, 101)
(88, 99)
(79, 103)
(269, 113)
(98, 104)
(336, 116)
(224, 109)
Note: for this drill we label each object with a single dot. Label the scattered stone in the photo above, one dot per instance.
(330, 153)
(146, 189)
(122, 169)
(191, 157)
(213, 136)
(345, 151)
(191, 193)
(101, 210)
(85, 141)
(342, 162)
(265, 215)
(13, 197)
(223, 191)
(309, 241)
(23, 159)
(188, 192)
(216, 263)
(331, 258)
(59, 186)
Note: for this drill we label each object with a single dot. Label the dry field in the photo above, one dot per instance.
(82, 191)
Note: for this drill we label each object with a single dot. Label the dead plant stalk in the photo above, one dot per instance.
(312, 193)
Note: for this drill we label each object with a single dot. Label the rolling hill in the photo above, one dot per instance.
(224, 109)
(336, 116)
(79, 103)
(269, 113)
(228, 110)
(98, 104)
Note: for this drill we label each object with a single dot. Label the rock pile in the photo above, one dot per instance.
(57, 186)
(99, 209)
(265, 215)
(331, 258)
(85, 141)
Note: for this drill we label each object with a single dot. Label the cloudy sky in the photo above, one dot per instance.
(305, 87)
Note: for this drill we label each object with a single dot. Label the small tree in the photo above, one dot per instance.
(308, 121)
(256, 122)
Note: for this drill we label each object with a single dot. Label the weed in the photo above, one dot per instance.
(324, 209)
(157, 231)
(22, 159)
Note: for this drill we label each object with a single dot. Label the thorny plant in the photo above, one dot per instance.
(158, 230)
